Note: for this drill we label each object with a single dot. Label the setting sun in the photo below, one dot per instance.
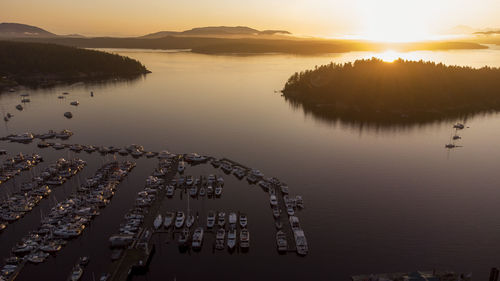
(395, 21)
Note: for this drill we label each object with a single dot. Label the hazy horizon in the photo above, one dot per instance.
(387, 20)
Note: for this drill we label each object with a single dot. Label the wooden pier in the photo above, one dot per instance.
(135, 259)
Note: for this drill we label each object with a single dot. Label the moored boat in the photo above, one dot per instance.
(197, 238)
(281, 241)
(244, 239)
(219, 239)
(231, 238)
(158, 221)
(179, 219)
(169, 218)
(210, 219)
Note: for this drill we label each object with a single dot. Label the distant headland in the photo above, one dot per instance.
(39, 64)
(226, 40)
(398, 92)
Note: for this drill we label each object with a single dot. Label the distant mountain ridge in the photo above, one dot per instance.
(216, 31)
(19, 30)
(8, 29)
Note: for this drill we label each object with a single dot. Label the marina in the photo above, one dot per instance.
(144, 220)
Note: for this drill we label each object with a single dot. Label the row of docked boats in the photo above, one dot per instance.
(134, 218)
(32, 192)
(13, 166)
(29, 137)
(211, 186)
(276, 188)
(67, 219)
(223, 238)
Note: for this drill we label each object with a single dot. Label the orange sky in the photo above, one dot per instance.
(387, 20)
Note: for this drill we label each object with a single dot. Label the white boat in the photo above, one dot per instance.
(189, 180)
(193, 191)
(231, 238)
(158, 221)
(300, 242)
(202, 191)
(232, 218)
(170, 191)
(184, 237)
(220, 180)
(276, 212)
(273, 200)
(256, 173)
(221, 219)
(299, 201)
(197, 238)
(179, 219)
(181, 167)
(284, 188)
(210, 219)
(189, 220)
(226, 167)
(164, 154)
(244, 238)
(218, 191)
(290, 210)
(58, 146)
(210, 190)
(219, 239)
(169, 218)
(294, 222)
(243, 220)
(281, 241)
(264, 184)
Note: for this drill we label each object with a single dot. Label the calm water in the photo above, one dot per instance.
(377, 200)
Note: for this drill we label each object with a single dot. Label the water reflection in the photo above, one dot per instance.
(88, 82)
(379, 121)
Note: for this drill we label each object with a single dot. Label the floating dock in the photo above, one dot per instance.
(135, 259)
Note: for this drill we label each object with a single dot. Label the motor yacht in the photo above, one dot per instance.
(181, 167)
(169, 219)
(300, 242)
(218, 191)
(273, 200)
(197, 238)
(244, 239)
(232, 218)
(219, 239)
(158, 221)
(210, 219)
(221, 219)
(243, 220)
(231, 238)
(281, 241)
(179, 219)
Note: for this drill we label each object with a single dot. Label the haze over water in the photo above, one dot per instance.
(376, 200)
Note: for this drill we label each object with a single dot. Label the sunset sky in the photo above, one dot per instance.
(386, 20)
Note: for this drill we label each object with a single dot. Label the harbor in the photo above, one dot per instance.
(151, 219)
